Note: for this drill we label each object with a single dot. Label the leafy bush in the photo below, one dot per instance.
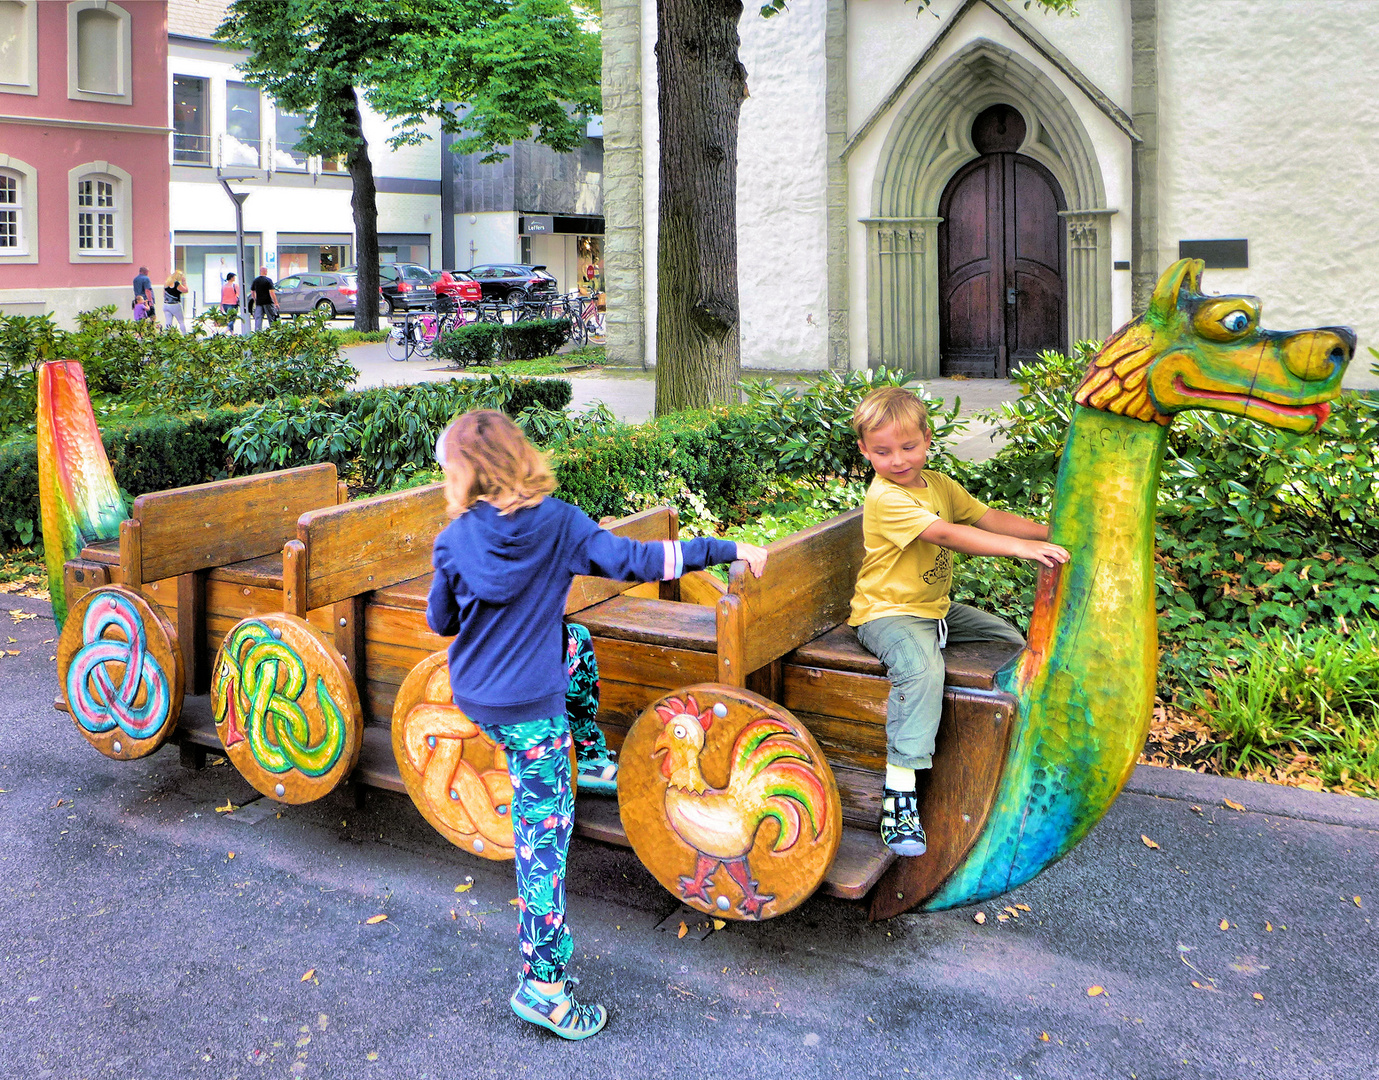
(476, 343)
(531, 338)
(808, 432)
(26, 341)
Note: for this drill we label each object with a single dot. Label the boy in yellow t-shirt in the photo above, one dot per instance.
(912, 521)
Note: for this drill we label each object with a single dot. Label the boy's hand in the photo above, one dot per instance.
(755, 557)
(1042, 552)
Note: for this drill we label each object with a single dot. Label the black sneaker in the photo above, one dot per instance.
(900, 827)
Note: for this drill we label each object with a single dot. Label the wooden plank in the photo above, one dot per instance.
(970, 663)
(80, 576)
(132, 553)
(701, 587)
(295, 585)
(191, 631)
(844, 694)
(806, 589)
(377, 766)
(385, 623)
(227, 521)
(264, 572)
(392, 661)
(956, 796)
(653, 665)
(409, 594)
(231, 600)
(102, 551)
(655, 622)
(370, 543)
(658, 523)
(348, 630)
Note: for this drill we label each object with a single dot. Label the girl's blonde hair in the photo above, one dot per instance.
(486, 456)
(175, 278)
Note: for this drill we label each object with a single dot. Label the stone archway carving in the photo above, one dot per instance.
(928, 142)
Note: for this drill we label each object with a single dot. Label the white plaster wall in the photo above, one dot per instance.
(871, 20)
(651, 177)
(1267, 115)
(782, 175)
(65, 304)
(1096, 38)
(493, 234)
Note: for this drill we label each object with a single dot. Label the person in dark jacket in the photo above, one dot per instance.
(503, 571)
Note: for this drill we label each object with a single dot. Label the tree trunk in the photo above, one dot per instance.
(702, 85)
(364, 203)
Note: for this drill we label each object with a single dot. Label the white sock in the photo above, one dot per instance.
(898, 779)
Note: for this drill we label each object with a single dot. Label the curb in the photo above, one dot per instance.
(1257, 797)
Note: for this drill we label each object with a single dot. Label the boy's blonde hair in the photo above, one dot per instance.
(889, 405)
(486, 456)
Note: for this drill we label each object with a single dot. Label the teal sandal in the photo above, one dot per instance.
(536, 1007)
(598, 774)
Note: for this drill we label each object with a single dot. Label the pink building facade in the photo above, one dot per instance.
(84, 165)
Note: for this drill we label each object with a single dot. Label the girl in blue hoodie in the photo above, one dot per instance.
(503, 571)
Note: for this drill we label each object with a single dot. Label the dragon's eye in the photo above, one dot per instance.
(1236, 321)
(679, 731)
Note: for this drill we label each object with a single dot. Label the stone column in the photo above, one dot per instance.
(836, 128)
(1088, 259)
(1144, 157)
(623, 226)
(902, 300)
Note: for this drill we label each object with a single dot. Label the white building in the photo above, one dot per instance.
(297, 217)
(949, 189)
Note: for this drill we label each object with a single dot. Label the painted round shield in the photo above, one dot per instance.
(120, 671)
(286, 708)
(728, 801)
(456, 774)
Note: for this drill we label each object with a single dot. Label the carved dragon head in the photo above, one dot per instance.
(1192, 351)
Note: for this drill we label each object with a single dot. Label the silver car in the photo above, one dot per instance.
(329, 291)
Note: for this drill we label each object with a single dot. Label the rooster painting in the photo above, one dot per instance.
(772, 776)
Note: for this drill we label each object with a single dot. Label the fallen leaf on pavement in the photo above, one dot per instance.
(229, 854)
(718, 924)
(1002, 917)
(228, 808)
(1095, 991)
(1357, 900)
(516, 901)
(1225, 925)
(372, 1055)
(20, 616)
(13, 652)
(57, 804)
(375, 919)
(1269, 927)
(1233, 804)
(310, 972)
(979, 918)
(1024, 907)
(1043, 1036)
(465, 887)
(1011, 910)
(1258, 997)
(683, 929)
(1195, 809)
(1148, 842)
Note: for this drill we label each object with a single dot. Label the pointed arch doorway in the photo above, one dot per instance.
(1002, 280)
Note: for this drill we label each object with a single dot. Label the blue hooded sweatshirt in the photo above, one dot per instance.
(500, 587)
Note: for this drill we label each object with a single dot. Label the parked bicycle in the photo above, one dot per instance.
(419, 331)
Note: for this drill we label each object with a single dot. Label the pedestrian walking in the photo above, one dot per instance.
(173, 290)
(143, 291)
(264, 299)
(229, 299)
(503, 570)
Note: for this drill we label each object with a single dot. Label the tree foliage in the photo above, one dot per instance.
(490, 71)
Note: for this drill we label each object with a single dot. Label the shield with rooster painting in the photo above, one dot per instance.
(728, 801)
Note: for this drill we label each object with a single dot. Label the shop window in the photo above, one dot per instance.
(98, 52)
(100, 213)
(243, 117)
(18, 47)
(191, 127)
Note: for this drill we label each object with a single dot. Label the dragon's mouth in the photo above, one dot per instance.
(1317, 410)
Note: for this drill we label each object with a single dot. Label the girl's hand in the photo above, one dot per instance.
(1042, 552)
(755, 557)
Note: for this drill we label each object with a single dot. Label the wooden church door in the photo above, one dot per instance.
(1000, 254)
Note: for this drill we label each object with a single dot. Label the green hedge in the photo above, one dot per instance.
(483, 343)
(628, 467)
(476, 343)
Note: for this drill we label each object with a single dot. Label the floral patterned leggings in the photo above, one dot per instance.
(543, 808)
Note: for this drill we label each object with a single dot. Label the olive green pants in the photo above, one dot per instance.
(912, 650)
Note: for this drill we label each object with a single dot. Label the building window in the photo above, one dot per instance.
(18, 211)
(242, 120)
(11, 212)
(98, 52)
(100, 213)
(18, 47)
(191, 121)
(287, 131)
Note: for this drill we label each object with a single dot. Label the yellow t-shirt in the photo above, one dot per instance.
(902, 574)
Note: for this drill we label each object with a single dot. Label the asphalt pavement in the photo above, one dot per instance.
(148, 932)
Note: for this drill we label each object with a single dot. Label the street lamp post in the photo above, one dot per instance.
(238, 197)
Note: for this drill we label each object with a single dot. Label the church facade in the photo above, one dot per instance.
(953, 189)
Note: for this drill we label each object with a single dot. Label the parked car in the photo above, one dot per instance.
(403, 286)
(513, 283)
(330, 291)
(463, 289)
